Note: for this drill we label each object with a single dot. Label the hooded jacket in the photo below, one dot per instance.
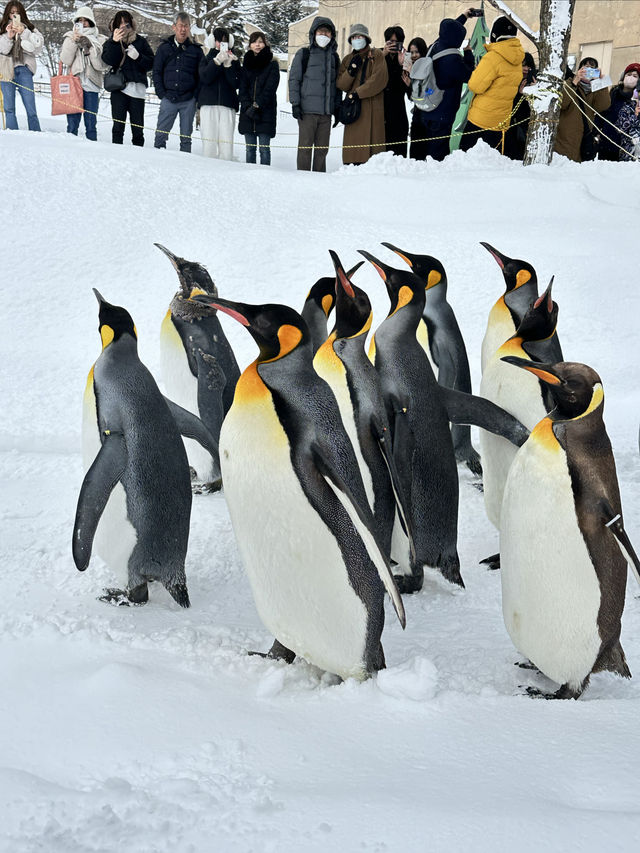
(314, 90)
(494, 84)
(451, 71)
(175, 70)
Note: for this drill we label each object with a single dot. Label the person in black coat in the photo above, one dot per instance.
(418, 148)
(176, 80)
(515, 138)
(258, 103)
(130, 52)
(451, 72)
(396, 123)
(218, 98)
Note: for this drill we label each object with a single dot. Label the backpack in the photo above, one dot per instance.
(425, 93)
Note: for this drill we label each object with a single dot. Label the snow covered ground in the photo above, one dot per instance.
(150, 729)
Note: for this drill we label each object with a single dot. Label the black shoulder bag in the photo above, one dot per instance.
(349, 109)
(114, 80)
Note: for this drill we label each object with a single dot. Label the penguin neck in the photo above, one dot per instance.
(278, 375)
(519, 300)
(315, 318)
(126, 346)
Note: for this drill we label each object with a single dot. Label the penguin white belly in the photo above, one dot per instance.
(550, 590)
(115, 536)
(422, 336)
(518, 393)
(182, 387)
(500, 328)
(296, 570)
(337, 381)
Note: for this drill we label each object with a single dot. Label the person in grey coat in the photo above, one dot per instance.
(313, 93)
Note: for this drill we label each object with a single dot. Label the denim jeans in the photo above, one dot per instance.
(252, 140)
(90, 103)
(23, 82)
(166, 118)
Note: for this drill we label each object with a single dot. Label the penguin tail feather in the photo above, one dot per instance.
(612, 659)
(178, 591)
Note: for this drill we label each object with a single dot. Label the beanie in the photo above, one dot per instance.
(359, 30)
(635, 66)
(502, 29)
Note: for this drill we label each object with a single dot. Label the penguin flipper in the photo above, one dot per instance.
(191, 426)
(613, 521)
(100, 480)
(363, 522)
(403, 443)
(468, 409)
(381, 434)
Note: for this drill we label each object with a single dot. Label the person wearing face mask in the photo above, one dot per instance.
(313, 93)
(363, 75)
(624, 114)
(578, 99)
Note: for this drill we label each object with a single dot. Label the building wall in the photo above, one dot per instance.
(607, 29)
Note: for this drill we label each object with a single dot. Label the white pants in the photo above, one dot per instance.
(216, 128)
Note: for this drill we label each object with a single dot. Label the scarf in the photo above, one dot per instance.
(257, 61)
(17, 54)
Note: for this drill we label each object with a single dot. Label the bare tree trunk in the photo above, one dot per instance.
(555, 30)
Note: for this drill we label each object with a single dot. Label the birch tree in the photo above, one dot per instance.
(552, 42)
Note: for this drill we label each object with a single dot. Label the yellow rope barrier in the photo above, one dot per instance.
(576, 102)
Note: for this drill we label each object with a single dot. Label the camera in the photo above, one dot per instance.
(591, 73)
(476, 13)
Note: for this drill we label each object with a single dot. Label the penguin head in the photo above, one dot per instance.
(277, 329)
(193, 277)
(515, 272)
(426, 267)
(114, 321)
(541, 319)
(403, 287)
(576, 388)
(323, 292)
(353, 308)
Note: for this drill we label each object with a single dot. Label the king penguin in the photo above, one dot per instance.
(136, 496)
(444, 344)
(524, 396)
(419, 411)
(298, 505)
(562, 540)
(342, 362)
(521, 285)
(199, 369)
(319, 303)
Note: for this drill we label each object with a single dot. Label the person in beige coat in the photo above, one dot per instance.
(368, 130)
(82, 53)
(20, 43)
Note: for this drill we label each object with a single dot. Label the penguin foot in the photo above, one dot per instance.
(206, 488)
(565, 692)
(124, 597)
(408, 584)
(472, 461)
(193, 473)
(526, 664)
(479, 485)
(277, 652)
(178, 591)
(492, 562)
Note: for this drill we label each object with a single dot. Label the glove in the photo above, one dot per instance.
(354, 65)
(253, 112)
(132, 52)
(296, 111)
(84, 43)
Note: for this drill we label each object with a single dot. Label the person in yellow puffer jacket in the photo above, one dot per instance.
(494, 84)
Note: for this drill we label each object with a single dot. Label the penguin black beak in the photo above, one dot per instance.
(173, 258)
(401, 253)
(546, 295)
(233, 309)
(383, 270)
(99, 296)
(341, 277)
(545, 372)
(354, 269)
(500, 259)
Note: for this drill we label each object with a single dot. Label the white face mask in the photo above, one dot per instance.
(358, 43)
(323, 41)
(630, 81)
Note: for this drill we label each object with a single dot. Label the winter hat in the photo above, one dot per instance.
(502, 29)
(635, 66)
(85, 12)
(359, 30)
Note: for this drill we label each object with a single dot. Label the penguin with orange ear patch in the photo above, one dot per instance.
(563, 545)
(298, 504)
(444, 344)
(199, 368)
(319, 303)
(521, 284)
